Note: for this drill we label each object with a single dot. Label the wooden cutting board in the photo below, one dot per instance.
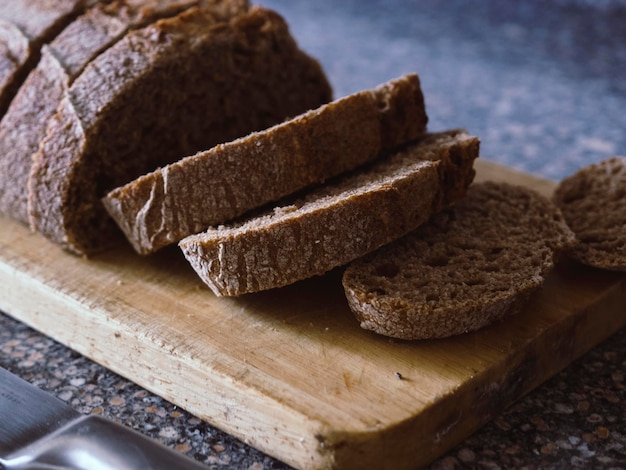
(289, 371)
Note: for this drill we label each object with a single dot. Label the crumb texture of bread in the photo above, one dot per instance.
(170, 89)
(335, 224)
(24, 124)
(593, 201)
(208, 188)
(467, 267)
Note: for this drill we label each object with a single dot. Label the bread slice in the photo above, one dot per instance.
(168, 90)
(230, 179)
(24, 124)
(336, 223)
(593, 201)
(25, 25)
(469, 266)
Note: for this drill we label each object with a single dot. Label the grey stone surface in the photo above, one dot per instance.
(543, 84)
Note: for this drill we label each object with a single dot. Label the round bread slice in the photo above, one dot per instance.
(469, 266)
(593, 202)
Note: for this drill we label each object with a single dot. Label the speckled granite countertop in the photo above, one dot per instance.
(543, 84)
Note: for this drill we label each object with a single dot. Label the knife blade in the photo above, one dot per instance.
(39, 431)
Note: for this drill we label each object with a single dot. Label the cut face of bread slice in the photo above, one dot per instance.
(593, 201)
(337, 223)
(24, 124)
(25, 25)
(162, 92)
(469, 266)
(215, 186)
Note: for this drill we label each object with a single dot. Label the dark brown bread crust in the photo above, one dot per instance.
(25, 25)
(593, 201)
(469, 266)
(206, 189)
(162, 92)
(24, 124)
(335, 224)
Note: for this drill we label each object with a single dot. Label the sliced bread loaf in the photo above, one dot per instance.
(336, 223)
(25, 25)
(469, 266)
(228, 180)
(24, 124)
(593, 201)
(168, 90)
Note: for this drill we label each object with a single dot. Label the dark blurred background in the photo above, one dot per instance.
(542, 83)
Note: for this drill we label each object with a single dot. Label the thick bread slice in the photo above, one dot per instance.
(24, 124)
(593, 201)
(168, 90)
(469, 266)
(336, 223)
(228, 180)
(25, 25)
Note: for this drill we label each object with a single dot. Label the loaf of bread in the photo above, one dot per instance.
(215, 186)
(593, 201)
(25, 25)
(170, 89)
(337, 223)
(25, 121)
(469, 266)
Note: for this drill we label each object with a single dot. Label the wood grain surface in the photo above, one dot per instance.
(289, 371)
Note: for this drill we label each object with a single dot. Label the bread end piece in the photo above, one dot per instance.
(593, 201)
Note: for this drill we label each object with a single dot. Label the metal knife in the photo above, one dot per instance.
(39, 431)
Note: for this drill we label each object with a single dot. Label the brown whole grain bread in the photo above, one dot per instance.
(230, 179)
(337, 222)
(24, 123)
(25, 25)
(171, 89)
(469, 266)
(593, 201)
